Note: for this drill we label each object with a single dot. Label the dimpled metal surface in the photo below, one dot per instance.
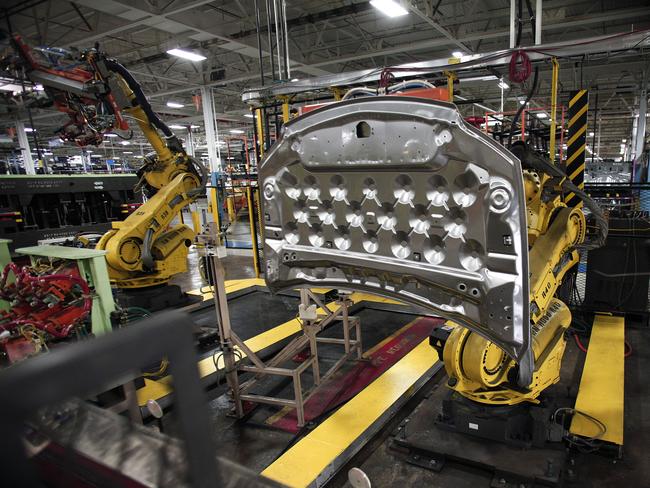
(400, 197)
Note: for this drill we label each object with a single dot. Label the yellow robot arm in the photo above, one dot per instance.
(480, 370)
(143, 250)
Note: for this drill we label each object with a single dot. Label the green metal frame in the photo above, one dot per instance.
(92, 266)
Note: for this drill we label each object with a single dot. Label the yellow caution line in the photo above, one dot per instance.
(602, 392)
(285, 410)
(575, 154)
(301, 465)
(578, 115)
(579, 170)
(575, 136)
(576, 97)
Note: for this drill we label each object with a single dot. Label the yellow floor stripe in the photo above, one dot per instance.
(578, 115)
(601, 392)
(285, 410)
(301, 465)
(576, 135)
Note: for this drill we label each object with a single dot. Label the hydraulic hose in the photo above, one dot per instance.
(132, 83)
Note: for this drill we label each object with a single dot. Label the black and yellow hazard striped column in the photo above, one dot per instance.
(576, 143)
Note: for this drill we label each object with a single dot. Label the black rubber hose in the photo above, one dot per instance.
(116, 67)
(531, 160)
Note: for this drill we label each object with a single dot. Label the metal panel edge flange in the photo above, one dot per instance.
(399, 197)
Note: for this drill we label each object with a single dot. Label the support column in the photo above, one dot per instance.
(189, 145)
(538, 22)
(576, 143)
(210, 129)
(25, 150)
(513, 20)
(639, 136)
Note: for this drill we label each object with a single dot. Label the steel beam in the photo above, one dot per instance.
(25, 150)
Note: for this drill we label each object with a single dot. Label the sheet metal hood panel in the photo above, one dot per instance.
(400, 197)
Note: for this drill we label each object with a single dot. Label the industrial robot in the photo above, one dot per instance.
(101, 96)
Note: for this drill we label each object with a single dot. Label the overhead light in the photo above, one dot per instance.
(139, 157)
(623, 140)
(522, 102)
(591, 134)
(38, 87)
(110, 135)
(296, 79)
(125, 143)
(237, 131)
(389, 8)
(182, 53)
(249, 116)
(542, 115)
(458, 54)
(29, 129)
(480, 78)
(175, 105)
(177, 127)
(195, 126)
(503, 85)
(127, 152)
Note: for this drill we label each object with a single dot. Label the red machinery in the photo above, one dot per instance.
(78, 87)
(46, 303)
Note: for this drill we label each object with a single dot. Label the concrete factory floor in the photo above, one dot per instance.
(255, 444)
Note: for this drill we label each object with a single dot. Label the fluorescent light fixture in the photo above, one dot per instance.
(127, 152)
(623, 140)
(125, 143)
(502, 84)
(480, 78)
(182, 53)
(29, 129)
(542, 115)
(521, 102)
(459, 54)
(389, 8)
(139, 157)
(195, 126)
(294, 79)
(177, 127)
(591, 134)
(110, 135)
(175, 105)
(248, 116)
(237, 131)
(12, 87)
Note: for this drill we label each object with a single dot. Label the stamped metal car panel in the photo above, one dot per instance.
(400, 197)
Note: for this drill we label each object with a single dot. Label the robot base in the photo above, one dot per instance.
(154, 298)
(515, 446)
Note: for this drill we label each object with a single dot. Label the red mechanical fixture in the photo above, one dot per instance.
(81, 89)
(52, 303)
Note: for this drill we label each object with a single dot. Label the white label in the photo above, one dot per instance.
(473, 426)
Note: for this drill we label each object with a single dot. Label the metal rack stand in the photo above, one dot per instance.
(313, 321)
